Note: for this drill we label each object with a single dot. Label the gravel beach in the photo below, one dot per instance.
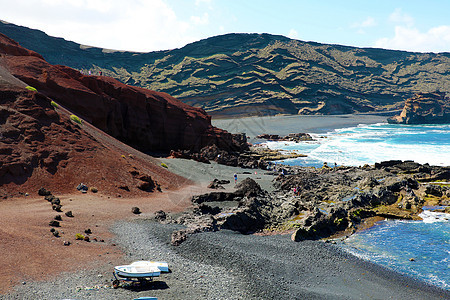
(228, 265)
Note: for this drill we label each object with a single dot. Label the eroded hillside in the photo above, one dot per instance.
(260, 74)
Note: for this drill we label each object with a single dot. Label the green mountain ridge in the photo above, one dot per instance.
(259, 74)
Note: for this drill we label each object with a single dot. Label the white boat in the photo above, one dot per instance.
(161, 265)
(137, 271)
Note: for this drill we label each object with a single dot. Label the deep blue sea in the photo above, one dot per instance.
(390, 243)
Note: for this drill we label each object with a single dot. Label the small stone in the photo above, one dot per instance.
(56, 201)
(412, 259)
(135, 210)
(52, 229)
(86, 239)
(43, 192)
(56, 233)
(58, 218)
(57, 208)
(49, 198)
(54, 223)
(69, 214)
(66, 243)
(88, 231)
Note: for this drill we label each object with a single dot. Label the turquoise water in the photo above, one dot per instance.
(390, 243)
(368, 144)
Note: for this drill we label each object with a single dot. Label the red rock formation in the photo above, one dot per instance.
(144, 119)
(40, 147)
(424, 108)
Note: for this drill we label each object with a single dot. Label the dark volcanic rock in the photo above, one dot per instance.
(44, 192)
(424, 108)
(135, 210)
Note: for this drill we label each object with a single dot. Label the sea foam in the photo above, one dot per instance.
(367, 144)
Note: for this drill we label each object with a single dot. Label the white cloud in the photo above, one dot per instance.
(398, 16)
(293, 34)
(203, 20)
(138, 25)
(436, 39)
(360, 26)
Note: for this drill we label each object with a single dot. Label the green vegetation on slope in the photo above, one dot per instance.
(250, 74)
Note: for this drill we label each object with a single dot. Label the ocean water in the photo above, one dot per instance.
(393, 243)
(367, 144)
(390, 243)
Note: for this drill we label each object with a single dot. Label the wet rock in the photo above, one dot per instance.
(135, 210)
(58, 218)
(69, 214)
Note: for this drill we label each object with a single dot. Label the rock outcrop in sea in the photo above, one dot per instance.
(424, 108)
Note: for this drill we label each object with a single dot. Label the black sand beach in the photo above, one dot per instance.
(229, 265)
(284, 125)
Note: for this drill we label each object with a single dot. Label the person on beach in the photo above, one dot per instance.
(235, 178)
(295, 191)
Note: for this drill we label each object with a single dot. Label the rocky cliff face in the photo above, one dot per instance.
(260, 74)
(424, 108)
(41, 146)
(144, 119)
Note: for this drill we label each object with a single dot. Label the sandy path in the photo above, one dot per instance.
(29, 251)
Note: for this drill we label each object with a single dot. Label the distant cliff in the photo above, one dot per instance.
(259, 74)
(424, 108)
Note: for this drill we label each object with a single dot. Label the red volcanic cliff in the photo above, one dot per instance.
(144, 119)
(42, 147)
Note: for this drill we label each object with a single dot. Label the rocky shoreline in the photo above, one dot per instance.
(317, 203)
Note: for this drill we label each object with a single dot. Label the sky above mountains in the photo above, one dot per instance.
(150, 25)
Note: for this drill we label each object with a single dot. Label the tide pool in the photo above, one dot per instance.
(367, 144)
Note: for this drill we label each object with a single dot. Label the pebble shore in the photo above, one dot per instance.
(228, 265)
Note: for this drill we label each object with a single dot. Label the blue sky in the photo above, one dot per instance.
(149, 25)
